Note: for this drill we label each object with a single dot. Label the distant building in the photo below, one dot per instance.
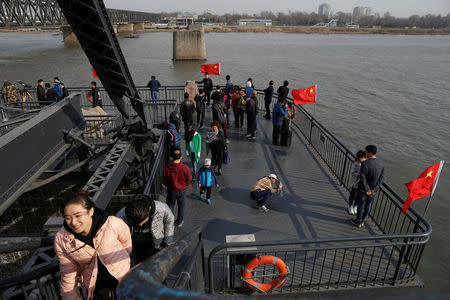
(324, 9)
(359, 12)
(255, 22)
(181, 20)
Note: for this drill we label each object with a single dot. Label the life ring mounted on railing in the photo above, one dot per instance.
(249, 280)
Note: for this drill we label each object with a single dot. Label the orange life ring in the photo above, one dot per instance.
(265, 259)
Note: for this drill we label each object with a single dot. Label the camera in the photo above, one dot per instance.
(24, 84)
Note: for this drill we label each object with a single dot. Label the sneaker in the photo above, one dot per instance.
(252, 137)
(357, 223)
(350, 210)
(208, 201)
(228, 141)
(264, 208)
(180, 224)
(248, 135)
(202, 196)
(355, 210)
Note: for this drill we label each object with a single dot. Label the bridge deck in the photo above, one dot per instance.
(313, 205)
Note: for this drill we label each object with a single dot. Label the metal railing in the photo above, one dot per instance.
(337, 262)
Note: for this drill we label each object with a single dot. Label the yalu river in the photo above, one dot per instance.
(391, 91)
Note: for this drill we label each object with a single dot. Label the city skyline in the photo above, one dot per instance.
(400, 8)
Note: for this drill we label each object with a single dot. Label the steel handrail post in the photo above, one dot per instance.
(344, 168)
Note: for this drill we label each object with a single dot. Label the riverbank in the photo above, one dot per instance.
(284, 29)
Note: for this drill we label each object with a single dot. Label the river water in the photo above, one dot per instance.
(392, 91)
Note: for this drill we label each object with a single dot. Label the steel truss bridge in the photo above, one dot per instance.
(42, 13)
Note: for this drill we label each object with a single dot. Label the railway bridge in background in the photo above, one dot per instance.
(44, 14)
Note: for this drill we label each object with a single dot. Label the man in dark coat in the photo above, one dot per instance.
(207, 87)
(283, 91)
(40, 91)
(51, 94)
(65, 92)
(187, 109)
(95, 98)
(200, 101)
(268, 93)
(251, 110)
(371, 178)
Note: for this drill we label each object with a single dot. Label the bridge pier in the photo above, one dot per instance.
(139, 26)
(69, 38)
(125, 28)
(189, 44)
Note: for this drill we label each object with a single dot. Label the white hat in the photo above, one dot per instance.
(249, 84)
(207, 162)
(273, 176)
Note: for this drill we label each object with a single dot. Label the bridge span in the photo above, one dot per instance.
(47, 13)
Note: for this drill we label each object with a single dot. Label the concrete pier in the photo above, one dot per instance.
(69, 37)
(125, 28)
(189, 44)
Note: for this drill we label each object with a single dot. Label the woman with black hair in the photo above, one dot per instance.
(93, 250)
(215, 140)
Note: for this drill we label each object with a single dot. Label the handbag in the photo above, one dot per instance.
(226, 158)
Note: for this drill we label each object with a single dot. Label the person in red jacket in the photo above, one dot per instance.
(177, 177)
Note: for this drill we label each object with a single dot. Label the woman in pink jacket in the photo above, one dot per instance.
(93, 250)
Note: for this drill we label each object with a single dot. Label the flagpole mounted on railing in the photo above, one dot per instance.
(315, 100)
(436, 179)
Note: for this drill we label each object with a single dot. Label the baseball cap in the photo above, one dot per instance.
(207, 162)
(273, 176)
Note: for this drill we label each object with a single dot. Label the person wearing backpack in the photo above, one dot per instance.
(240, 109)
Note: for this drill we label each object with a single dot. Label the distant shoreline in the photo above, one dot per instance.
(289, 29)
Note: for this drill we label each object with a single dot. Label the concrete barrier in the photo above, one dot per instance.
(189, 44)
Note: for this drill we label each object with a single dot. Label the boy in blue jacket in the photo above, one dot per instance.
(206, 179)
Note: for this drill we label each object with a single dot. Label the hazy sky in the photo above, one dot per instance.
(398, 8)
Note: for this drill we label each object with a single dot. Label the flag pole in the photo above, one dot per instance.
(315, 100)
(427, 206)
(434, 187)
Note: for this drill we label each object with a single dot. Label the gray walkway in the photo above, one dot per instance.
(313, 205)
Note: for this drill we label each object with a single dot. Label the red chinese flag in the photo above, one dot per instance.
(424, 185)
(93, 73)
(305, 96)
(213, 69)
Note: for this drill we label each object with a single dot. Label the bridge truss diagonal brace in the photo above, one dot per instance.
(109, 174)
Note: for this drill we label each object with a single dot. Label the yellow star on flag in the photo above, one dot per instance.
(430, 174)
(311, 90)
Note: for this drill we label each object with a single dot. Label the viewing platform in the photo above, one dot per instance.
(308, 228)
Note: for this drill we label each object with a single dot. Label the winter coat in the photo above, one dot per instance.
(356, 175)
(176, 176)
(194, 146)
(113, 246)
(51, 95)
(268, 93)
(58, 90)
(200, 103)
(40, 93)
(175, 137)
(264, 184)
(278, 114)
(217, 111)
(187, 109)
(207, 176)
(283, 92)
(154, 85)
(207, 84)
(161, 225)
